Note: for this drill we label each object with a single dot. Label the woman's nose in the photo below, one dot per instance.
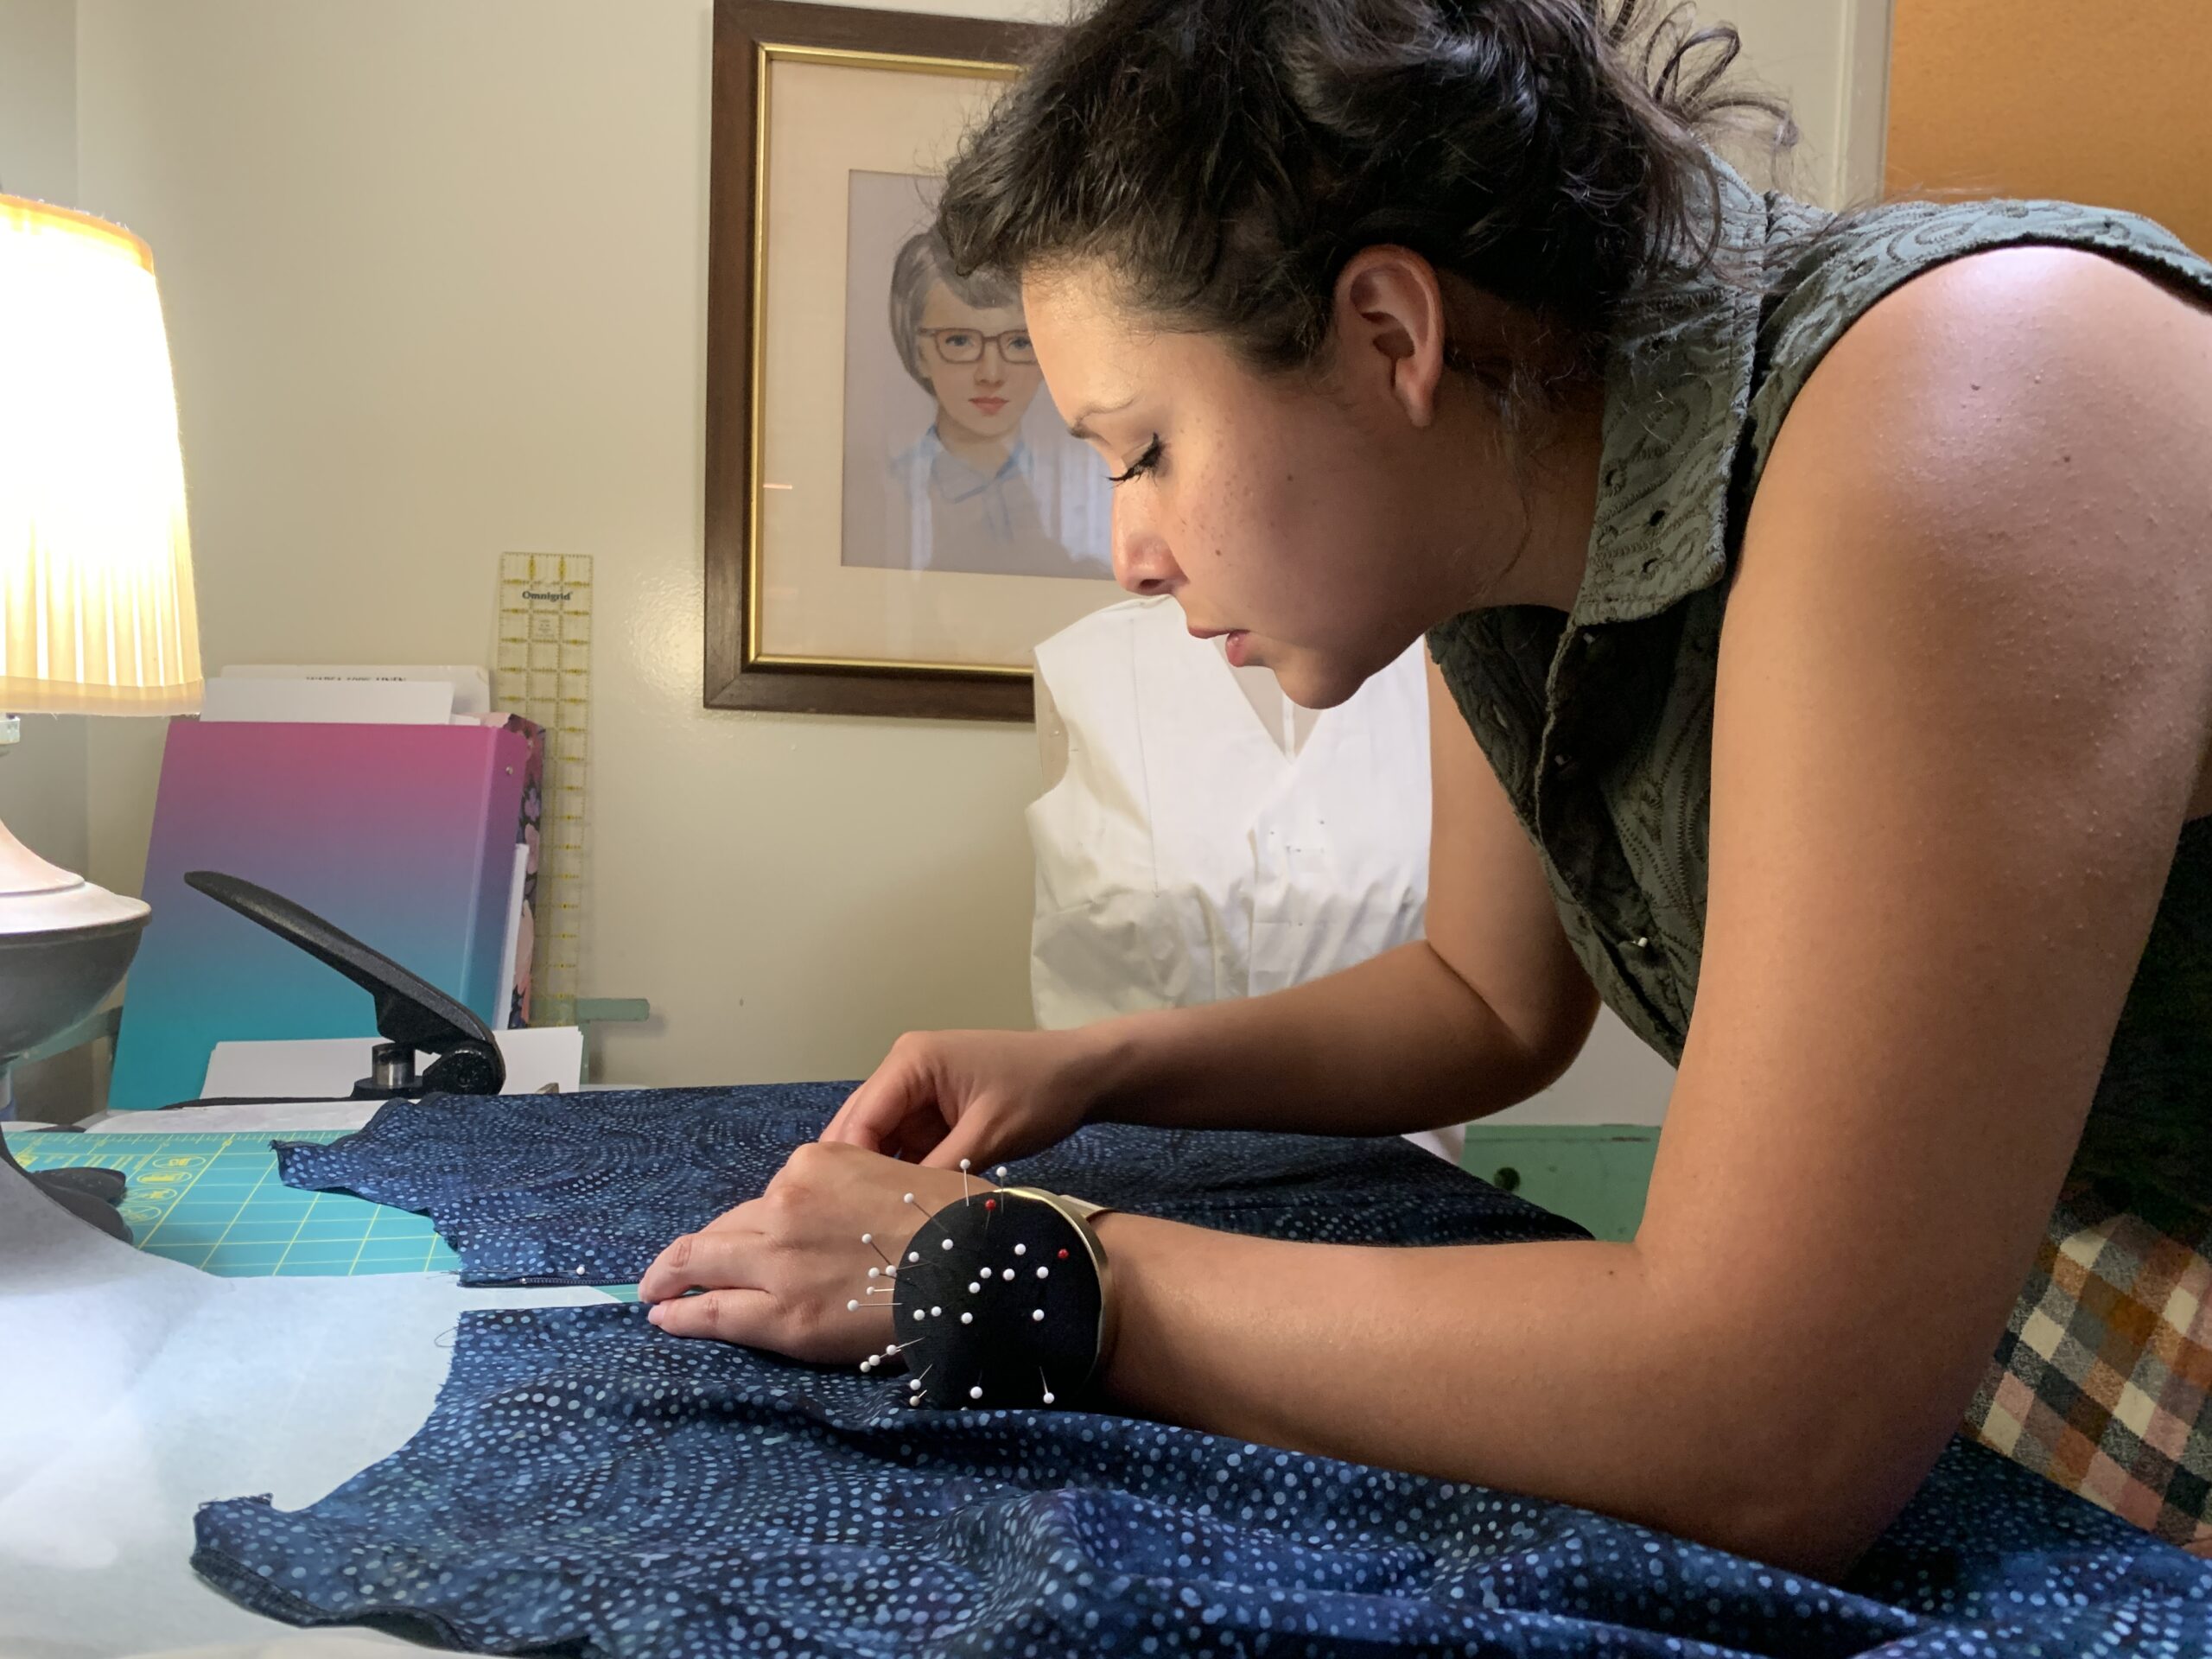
(990, 368)
(1141, 561)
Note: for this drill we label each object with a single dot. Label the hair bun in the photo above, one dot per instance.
(1224, 158)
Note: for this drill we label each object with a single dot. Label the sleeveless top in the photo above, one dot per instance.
(1599, 723)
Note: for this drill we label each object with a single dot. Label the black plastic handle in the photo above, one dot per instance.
(410, 1009)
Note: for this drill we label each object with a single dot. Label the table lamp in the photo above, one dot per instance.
(96, 601)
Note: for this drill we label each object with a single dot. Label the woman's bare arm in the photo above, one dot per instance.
(1963, 705)
(1486, 1009)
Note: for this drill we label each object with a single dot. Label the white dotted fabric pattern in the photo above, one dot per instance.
(588, 1188)
(589, 1485)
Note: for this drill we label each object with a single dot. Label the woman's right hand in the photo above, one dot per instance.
(984, 1095)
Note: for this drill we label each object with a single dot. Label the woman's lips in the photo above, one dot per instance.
(989, 406)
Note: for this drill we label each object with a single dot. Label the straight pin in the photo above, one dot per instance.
(929, 1220)
(963, 1182)
(868, 1239)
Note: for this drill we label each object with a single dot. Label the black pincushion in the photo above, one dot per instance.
(1014, 1356)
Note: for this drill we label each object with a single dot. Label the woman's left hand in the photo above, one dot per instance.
(780, 1271)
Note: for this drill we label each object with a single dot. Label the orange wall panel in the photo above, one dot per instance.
(2089, 100)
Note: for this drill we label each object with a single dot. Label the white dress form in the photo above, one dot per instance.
(1193, 845)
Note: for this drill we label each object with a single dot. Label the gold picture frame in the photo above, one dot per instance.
(822, 596)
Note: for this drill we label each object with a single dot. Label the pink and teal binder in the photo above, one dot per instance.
(402, 836)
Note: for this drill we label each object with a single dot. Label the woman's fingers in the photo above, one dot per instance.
(872, 1112)
(712, 1259)
(745, 1316)
(965, 1140)
(916, 1133)
(896, 1112)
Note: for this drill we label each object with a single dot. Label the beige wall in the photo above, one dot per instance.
(1828, 59)
(42, 787)
(434, 272)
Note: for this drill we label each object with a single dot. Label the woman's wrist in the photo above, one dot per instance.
(1116, 1064)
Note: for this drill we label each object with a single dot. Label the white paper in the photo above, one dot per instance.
(312, 1069)
(508, 952)
(349, 703)
(300, 1644)
(271, 1117)
(144, 1389)
(472, 684)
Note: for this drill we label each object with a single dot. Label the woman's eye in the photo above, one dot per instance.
(1143, 464)
(953, 340)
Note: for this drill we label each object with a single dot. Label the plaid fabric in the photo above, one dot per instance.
(2103, 1381)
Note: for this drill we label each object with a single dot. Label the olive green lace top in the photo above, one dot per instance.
(1599, 722)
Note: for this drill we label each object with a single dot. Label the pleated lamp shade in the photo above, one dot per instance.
(96, 604)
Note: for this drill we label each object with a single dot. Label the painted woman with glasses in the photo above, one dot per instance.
(963, 496)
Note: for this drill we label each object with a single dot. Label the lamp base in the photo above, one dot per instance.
(64, 944)
(82, 1193)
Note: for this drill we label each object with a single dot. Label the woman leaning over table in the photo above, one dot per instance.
(1821, 617)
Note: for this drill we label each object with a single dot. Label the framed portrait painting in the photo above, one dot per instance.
(895, 515)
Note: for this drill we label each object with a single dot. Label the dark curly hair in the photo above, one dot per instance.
(1225, 159)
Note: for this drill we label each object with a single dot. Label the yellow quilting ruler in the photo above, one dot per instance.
(542, 669)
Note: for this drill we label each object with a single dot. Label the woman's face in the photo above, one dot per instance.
(987, 396)
(1319, 518)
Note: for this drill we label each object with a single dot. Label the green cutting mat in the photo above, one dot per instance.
(214, 1201)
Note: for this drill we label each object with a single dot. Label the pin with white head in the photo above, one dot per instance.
(963, 1181)
(928, 1220)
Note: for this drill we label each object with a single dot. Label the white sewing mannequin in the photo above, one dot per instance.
(1252, 870)
(1287, 723)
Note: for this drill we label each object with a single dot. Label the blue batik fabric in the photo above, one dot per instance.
(590, 1485)
(588, 1188)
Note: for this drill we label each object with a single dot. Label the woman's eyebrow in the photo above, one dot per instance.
(1077, 430)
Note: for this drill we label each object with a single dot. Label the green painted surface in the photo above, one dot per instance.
(1595, 1174)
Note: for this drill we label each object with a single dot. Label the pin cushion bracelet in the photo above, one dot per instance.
(1003, 1299)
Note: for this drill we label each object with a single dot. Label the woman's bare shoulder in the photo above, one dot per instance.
(1994, 402)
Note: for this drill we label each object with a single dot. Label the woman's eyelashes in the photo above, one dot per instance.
(1143, 464)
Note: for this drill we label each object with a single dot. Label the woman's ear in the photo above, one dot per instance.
(1392, 327)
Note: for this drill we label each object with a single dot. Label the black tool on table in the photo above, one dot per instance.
(412, 1015)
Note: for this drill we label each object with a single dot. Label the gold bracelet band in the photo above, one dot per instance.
(1078, 1213)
